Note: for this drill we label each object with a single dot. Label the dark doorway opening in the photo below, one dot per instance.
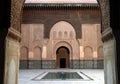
(62, 63)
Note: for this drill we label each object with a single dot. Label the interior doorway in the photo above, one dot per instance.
(62, 60)
(63, 63)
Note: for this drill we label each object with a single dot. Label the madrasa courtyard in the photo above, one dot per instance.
(61, 45)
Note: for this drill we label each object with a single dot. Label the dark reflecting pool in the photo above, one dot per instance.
(62, 75)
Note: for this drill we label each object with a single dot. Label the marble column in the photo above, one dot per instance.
(109, 56)
(12, 57)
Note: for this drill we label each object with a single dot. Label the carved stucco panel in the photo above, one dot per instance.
(104, 4)
(16, 6)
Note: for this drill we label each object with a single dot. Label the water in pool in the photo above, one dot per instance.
(62, 75)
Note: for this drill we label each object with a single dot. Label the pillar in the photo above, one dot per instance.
(12, 57)
(109, 49)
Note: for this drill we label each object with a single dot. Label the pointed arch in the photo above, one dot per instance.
(100, 52)
(88, 51)
(23, 53)
(37, 53)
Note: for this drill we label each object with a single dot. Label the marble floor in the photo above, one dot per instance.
(33, 76)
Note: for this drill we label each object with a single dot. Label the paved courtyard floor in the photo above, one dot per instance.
(34, 76)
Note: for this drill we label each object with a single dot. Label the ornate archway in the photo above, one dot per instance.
(15, 23)
(62, 57)
(63, 50)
